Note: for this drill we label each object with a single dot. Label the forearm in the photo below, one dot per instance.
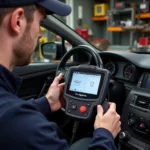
(102, 140)
(32, 129)
(42, 105)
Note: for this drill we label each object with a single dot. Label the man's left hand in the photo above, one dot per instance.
(55, 94)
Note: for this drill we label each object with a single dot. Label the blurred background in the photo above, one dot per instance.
(121, 25)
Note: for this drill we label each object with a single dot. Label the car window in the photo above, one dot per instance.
(47, 36)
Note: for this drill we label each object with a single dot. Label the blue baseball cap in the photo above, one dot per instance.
(52, 6)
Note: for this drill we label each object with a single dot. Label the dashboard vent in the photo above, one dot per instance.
(143, 102)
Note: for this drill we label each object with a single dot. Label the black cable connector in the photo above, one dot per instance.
(74, 130)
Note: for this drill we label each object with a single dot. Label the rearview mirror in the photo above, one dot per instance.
(49, 50)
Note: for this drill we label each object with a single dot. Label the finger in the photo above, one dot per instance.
(100, 110)
(57, 79)
(118, 117)
(61, 85)
(119, 123)
(109, 103)
(112, 106)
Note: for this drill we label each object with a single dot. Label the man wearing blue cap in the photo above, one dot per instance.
(23, 124)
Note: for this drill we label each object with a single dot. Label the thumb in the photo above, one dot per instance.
(100, 110)
(57, 79)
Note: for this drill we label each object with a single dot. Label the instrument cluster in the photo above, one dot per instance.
(121, 70)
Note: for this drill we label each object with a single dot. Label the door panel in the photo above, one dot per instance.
(36, 79)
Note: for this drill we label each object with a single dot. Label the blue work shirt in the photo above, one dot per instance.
(24, 126)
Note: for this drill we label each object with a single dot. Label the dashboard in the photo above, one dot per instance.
(133, 70)
(122, 70)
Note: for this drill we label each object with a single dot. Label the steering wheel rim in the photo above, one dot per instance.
(80, 48)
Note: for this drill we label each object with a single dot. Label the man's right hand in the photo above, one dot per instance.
(110, 120)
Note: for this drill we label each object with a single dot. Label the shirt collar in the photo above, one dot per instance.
(9, 81)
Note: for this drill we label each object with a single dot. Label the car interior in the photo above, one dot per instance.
(129, 86)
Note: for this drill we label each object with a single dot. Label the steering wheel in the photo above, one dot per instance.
(81, 48)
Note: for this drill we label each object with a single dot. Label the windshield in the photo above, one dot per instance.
(108, 28)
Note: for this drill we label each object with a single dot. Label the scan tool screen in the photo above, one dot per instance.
(85, 83)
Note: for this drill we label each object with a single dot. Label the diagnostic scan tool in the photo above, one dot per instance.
(85, 88)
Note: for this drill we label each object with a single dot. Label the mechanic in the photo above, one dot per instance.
(24, 124)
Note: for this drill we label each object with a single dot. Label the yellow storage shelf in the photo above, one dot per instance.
(119, 29)
(143, 15)
(115, 29)
(104, 18)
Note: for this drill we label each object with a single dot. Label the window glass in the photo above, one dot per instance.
(47, 36)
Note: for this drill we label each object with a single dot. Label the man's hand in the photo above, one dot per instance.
(55, 94)
(110, 120)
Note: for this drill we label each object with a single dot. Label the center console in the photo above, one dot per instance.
(135, 133)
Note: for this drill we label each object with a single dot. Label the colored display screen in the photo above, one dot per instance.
(85, 83)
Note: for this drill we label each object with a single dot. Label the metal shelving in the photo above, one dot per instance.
(141, 16)
(100, 18)
(112, 29)
(110, 21)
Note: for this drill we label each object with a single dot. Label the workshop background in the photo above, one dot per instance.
(122, 25)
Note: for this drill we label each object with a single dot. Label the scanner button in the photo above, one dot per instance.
(74, 107)
(83, 109)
